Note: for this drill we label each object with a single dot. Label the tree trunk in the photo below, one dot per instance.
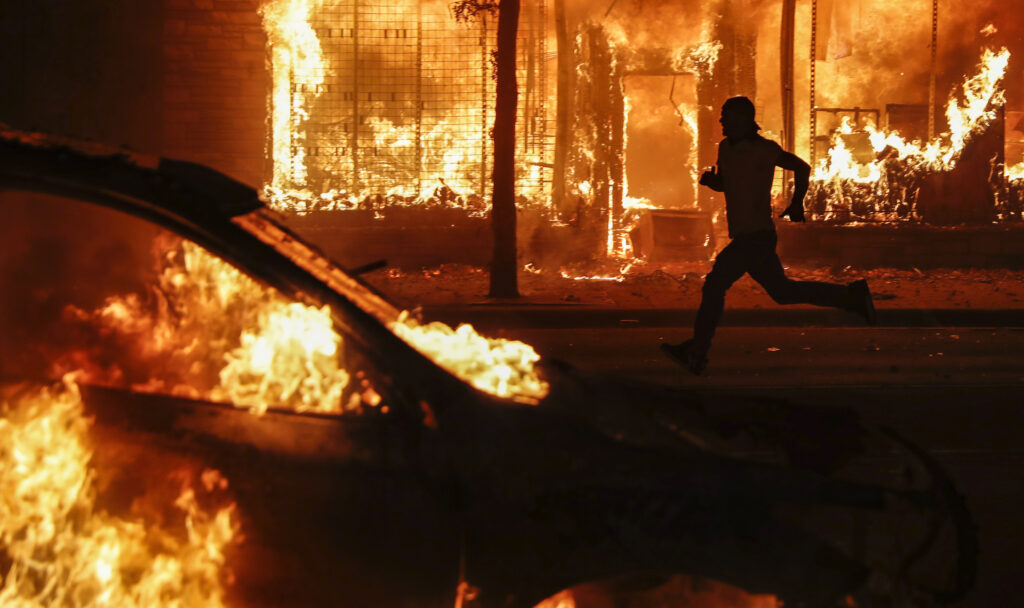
(504, 277)
(563, 132)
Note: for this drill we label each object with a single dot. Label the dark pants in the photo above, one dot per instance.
(755, 254)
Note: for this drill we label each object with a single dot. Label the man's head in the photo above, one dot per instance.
(738, 118)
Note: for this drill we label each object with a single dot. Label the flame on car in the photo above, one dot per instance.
(60, 549)
(504, 368)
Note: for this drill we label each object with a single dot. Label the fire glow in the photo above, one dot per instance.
(841, 177)
(208, 331)
(503, 368)
(411, 157)
(61, 550)
(343, 138)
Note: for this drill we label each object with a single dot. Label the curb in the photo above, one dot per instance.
(505, 316)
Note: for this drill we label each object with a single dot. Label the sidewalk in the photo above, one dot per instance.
(669, 294)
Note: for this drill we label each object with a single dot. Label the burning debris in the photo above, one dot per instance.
(60, 549)
(884, 183)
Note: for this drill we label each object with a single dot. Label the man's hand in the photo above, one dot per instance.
(795, 212)
(711, 179)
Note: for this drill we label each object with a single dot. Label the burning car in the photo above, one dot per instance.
(379, 460)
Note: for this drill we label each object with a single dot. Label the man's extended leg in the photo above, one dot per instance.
(854, 297)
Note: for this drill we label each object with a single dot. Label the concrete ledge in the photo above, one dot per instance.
(416, 237)
(903, 245)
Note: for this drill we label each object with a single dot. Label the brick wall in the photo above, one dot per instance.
(215, 85)
(88, 69)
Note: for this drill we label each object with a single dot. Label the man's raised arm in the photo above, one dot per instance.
(801, 181)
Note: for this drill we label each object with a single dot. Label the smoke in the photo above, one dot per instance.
(966, 27)
(55, 253)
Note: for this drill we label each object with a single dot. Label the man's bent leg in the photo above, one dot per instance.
(769, 273)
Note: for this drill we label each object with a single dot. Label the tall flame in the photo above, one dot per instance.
(297, 69)
(982, 95)
(60, 550)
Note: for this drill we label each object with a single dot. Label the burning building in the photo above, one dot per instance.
(335, 105)
(376, 104)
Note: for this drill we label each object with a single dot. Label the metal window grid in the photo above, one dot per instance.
(407, 100)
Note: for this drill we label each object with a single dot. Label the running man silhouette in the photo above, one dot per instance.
(746, 167)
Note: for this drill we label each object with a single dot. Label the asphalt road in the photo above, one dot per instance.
(958, 392)
(798, 358)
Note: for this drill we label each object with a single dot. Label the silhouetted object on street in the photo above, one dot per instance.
(746, 167)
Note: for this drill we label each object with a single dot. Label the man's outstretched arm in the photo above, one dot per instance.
(801, 181)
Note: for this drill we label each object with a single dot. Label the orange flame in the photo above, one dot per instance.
(1015, 172)
(297, 65)
(431, 148)
(62, 551)
(504, 368)
(982, 94)
(209, 331)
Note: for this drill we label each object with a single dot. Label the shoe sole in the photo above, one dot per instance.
(694, 368)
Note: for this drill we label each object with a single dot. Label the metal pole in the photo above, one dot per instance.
(787, 67)
(419, 98)
(814, 58)
(355, 97)
(484, 64)
(931, 76)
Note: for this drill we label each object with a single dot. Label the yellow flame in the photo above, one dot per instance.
(60, 550)
(297, 69)
(267, 351)
(504, 368)
(616, 278)
(427, 153)
(1015, 172)
(289, 359)
(215, 333)
(700, 59)
(982, 95)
